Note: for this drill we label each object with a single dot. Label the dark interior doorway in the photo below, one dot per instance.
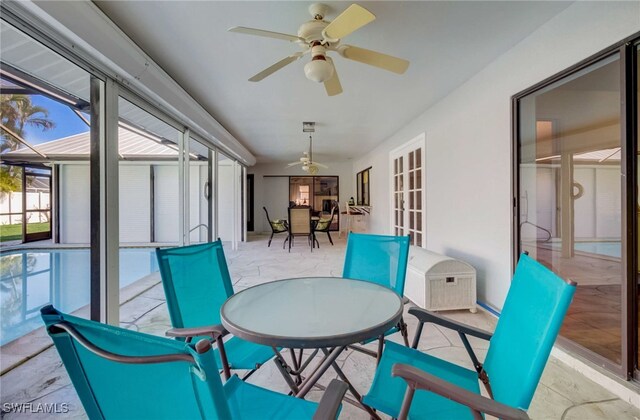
(250, 202)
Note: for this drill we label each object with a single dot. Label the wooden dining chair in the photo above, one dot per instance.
(299, 225)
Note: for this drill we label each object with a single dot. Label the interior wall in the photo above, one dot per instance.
(468, 135)
(263, 191)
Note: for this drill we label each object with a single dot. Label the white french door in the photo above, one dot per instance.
(407, 191)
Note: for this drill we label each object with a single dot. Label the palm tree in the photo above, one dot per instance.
(19, 112)
(16, 113)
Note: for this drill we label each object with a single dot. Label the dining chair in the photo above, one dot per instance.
(277, 226)
(409, 383)
(196, 283)
(125, 374)
(324, 224)
(380, 259)
(300, 225)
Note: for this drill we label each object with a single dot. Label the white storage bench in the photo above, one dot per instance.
(436, 282)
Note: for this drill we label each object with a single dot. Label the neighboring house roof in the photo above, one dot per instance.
(39, 184)
(133, 145)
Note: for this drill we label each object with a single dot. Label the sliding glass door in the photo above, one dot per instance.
(576, 197)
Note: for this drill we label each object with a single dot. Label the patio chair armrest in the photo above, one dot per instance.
(419, 379)
(213, 331)
(330, 402)
(426, 316)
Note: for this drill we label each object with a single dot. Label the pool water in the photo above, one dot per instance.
(30, 279)
(609, 249)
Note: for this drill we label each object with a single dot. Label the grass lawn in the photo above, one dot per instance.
(14, 232)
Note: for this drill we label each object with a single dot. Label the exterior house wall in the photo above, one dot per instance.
(135, 203)
(468, 142)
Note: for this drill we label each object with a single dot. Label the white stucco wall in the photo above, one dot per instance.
(468, 136)
(263, 192)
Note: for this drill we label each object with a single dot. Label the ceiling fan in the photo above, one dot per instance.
(307, 162)
(318, 36)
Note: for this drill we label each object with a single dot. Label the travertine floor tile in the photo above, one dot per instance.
(562, 394)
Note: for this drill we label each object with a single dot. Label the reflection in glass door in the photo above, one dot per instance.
(200, 192)
(570, 197)
(637, 279)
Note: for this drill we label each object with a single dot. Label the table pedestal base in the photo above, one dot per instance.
(300, 387)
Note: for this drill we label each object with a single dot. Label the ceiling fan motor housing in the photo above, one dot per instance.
(312, 30)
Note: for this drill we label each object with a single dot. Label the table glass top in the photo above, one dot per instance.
(311, 308)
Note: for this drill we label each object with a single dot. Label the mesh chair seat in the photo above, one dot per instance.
(386, 393)
(251, 402)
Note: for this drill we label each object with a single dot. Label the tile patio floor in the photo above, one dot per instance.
(562, 394)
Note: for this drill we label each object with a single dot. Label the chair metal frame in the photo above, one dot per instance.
(399, 287)
(274, 229)
(327, 229)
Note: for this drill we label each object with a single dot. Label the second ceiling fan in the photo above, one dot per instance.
(317, 37)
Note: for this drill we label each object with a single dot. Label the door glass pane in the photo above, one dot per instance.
(44, 149)
(325, 197)
(638, 189)
(228, 208)
(200, 197)
(149, 200)
(10, 202)
(38, 204)
(570, 197)
(301, 191)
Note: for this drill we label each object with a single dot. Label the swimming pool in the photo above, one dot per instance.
(609, 249)
(30, 279)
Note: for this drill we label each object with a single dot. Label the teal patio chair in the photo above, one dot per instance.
(412, 384)
(196, 283)
(124, 374)
(379, 259)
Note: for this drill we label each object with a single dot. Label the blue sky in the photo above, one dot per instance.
(67, 122)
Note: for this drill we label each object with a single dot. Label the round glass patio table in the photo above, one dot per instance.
(311, 312)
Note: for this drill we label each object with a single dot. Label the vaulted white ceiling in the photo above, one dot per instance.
(446, 42)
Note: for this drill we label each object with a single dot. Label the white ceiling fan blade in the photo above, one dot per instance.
(274, 68)
(267, 34)
(352, 19)
(373, 58)
(294, 164)
(333, 86)
(320, 165)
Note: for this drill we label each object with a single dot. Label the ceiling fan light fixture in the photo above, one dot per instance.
(305, 167)
(318, 69)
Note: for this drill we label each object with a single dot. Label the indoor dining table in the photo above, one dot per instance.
(326, 314)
